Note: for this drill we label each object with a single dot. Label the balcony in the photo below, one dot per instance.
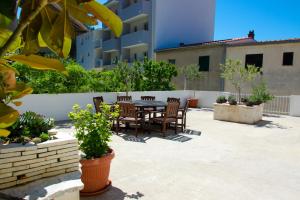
(98, 44)
(111, 45)
(135, 11)
(98, 62)
(135, 39)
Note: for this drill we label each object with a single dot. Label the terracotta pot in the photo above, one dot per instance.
(95, 173)
(193, 103)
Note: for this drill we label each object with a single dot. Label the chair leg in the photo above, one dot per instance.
(164, 129)
(118, 125)
(176, 127)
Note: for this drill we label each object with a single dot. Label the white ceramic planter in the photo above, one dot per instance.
(239, 113)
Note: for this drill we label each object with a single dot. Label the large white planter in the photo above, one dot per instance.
(239, 113)
(20, 164)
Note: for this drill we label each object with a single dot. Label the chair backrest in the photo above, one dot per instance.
(124, 98)
(97, 103)
(148, 98)
(171, 99)
(172, 110)
(127, 109)
(186, 106)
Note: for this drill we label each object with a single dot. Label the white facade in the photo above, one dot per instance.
(178, 21)
(147, 25)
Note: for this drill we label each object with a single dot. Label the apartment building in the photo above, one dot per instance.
(279, 61)
(148, 25)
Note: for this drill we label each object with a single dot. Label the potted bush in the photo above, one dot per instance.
(232, 100)
(93, 131)
(221, 99)
(191, 72)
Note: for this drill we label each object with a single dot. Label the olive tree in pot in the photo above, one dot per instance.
(93, 131)
(238, 75)
(190, 73)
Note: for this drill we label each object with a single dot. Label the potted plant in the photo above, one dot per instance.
(93, 131)
(191, 72)
(221, 99)
(231, 100)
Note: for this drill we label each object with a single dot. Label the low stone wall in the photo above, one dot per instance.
(21, 164)
(238, 113)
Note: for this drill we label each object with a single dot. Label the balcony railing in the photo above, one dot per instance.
(135, 39)
(136, 9)
(111, 45)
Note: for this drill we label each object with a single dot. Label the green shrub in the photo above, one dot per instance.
(260, 94)
(221, 99)
(232, 100)
(93, 130)
(30, 125)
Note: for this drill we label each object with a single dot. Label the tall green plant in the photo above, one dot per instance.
(190, 73)
(93, 130)
(238, 75)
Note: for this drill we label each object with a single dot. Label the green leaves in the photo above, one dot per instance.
(8, 116)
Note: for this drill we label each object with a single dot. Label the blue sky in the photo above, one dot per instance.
(271, 19)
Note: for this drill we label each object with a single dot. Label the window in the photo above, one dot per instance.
(146, 27)
(204, 63)
(172, 61)
(88, 54)
(146, 54)
(135, 57)
(82, 59)
(135, 29)
(288, 59)
(254, 59)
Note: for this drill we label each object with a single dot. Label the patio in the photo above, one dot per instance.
(215, 160)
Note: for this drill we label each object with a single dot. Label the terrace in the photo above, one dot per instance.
(211, 160)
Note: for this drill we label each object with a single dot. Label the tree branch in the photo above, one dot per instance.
(21, 26)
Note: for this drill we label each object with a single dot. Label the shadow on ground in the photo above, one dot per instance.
(115, 194)
(129, 136)
(270, 124)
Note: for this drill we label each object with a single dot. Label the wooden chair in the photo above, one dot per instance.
(171, 99)
(129, 114)
(97, 103)
(169, 116)
(148, 98)
(181, 118)
(124, 98)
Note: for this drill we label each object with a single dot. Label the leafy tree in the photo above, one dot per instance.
(43, 23)
(239, 75)
(158, 75)
(190, 72)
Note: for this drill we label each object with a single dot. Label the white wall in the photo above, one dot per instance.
(59, 105)
(187, 21)
(208, 98)
(295, 105)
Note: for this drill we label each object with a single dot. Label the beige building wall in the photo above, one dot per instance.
(183, 56)
(281, 80)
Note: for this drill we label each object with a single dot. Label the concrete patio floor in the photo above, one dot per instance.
(217, 160)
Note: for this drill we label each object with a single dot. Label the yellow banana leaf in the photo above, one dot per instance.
(8, 116)
(61, 34)
(104, 14)
(4, 133)
(20, 91)
(4, 66)
(39, 62)
(79, 13)
(4, 35)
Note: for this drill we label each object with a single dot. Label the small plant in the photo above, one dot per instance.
(93, 130)
(232, 100)
(244, 100)
(221, 99)
(30, 125)
(260, 94)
